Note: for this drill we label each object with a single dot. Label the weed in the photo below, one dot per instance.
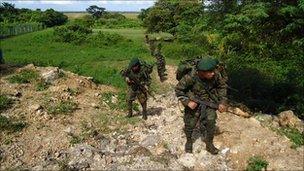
(256, 163)
(41, 86)
(294, 135)
(5, 102)
(63, 107)
(25, 76)
(8, 125)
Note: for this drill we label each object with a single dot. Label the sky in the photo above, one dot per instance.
(81, 5)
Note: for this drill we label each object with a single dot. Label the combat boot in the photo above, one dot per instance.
(188, 145)
(209, 143)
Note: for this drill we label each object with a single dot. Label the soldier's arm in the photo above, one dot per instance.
(182, 88)
(222, 90)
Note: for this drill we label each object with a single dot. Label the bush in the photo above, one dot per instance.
(117, 23)
(182, 51)
(72, 33)
(105, 39)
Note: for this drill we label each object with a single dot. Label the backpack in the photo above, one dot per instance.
(185, 67)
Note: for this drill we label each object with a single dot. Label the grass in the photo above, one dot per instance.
(9, 125)
(62, 107)
(25, 76)
(294, 135)
(5, 102)
(256, 163)
(117, 101)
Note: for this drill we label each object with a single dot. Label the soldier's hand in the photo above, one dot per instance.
(192, 105)
(222, 108)
(128, 80)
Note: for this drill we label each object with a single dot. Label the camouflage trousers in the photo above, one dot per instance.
(141, 96)
(161, 66)
(206, 121)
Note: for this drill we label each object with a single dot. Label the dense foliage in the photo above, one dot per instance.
(49, 17)
(261, 42)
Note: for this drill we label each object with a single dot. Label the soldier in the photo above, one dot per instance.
(161, 63)
(199, 91)
(138, 78)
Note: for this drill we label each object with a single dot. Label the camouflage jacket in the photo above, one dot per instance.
(142, 78)
(214, 90)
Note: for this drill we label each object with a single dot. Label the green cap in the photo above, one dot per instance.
(133, 62)
(206, 64)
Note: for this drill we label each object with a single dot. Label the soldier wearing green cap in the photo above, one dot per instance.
(138, 78)
(204, 84)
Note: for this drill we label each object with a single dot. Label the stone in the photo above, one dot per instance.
(49, 75)
(187, 160)
(150, 140)
(237, 111)
(35, 107)
(288, 119)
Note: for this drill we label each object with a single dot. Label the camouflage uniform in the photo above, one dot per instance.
(214, 90)
(161, 63)
(139, 90)
(155, 49)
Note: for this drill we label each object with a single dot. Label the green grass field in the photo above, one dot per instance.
(102, 63)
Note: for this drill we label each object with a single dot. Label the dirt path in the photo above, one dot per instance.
(79, 140)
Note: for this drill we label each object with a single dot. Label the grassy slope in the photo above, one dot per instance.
(103, 64)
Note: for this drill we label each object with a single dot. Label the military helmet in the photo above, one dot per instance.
(206, 64)
(134, 61)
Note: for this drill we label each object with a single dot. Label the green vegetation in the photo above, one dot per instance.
(10, 126)
(61, 107)
(25, 76)
(117, 101)
(41, 85)
(294, 135)
(11, 29)
(260, 41)
(256, 163)
(5, 102)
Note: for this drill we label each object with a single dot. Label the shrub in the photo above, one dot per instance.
(105, 39)
(72, 33)
(256, 163)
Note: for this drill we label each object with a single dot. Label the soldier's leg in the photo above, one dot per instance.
(161, 67)
(142, 98)
(210, 127)
(130, 98)
(190, 122)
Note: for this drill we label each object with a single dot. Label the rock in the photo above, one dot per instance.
(238, 111)
(49, 75)
(150, 141)
(225, 150)
(140, 151)
(69, 130)
(28, 67)
(187, 160)
(80, 164)
(114, 99)
(35, 107)
(288, 119)
(94, 105)
(109, 159)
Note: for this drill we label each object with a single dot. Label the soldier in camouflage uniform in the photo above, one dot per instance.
(161, 63)
(155, 49)
(203, 84)
(138, 78)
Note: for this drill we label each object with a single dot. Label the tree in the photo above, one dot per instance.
(96, 11)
